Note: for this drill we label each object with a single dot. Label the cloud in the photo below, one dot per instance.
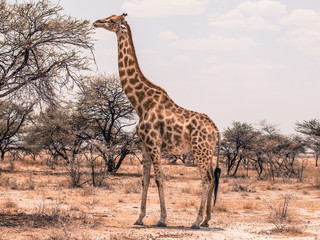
(306, 40)
(167, 35)
(157, 8)
(305, 34)
(263, 8)
(302, 18)
(236, 19)
(214, 42)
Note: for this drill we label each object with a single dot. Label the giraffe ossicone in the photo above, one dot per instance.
(164, 126)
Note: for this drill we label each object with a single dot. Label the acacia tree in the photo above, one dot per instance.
(60, 131)
(12, 118)
(236, 143)
(40, 49)
(311, 129)
(104, 105)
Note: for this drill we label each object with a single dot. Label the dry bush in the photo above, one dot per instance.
(87, 191)
(133, 187)
(221, 208)
(127, 236)
(248, 206)
(280, 217)
(237, 187)
(60, 235)
(186, 190)
(316, 183)
(9, 203)
(30, 183)
(55, 211)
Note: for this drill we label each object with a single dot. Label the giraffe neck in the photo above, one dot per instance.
(139, 90)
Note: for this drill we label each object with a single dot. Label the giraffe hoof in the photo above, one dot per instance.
(204, 225)
(139, 222)
(195, 226)
(161, 224)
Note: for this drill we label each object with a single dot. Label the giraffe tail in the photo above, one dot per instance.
(217, 171)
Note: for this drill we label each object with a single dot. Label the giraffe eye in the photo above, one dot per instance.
(112, 21)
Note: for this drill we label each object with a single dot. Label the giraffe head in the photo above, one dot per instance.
(113, 23)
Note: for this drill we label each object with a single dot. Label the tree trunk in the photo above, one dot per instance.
(124, 153)
(2, 155)
(236, 170)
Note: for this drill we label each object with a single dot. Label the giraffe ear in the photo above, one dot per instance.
(123, 26)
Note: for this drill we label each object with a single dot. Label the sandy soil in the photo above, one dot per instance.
(37, 203)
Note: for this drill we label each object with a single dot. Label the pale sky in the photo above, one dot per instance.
(234, 60)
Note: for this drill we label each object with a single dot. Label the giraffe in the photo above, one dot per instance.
(164, 126)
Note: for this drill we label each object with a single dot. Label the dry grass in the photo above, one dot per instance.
(41, 203)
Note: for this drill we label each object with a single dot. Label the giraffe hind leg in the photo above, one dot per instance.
(209, 205)
(205, 194)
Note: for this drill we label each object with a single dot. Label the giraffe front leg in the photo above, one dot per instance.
(159, 181)
(145, 186)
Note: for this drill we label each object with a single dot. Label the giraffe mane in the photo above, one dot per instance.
(146, 81)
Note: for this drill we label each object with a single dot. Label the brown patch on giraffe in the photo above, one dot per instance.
(131, 71)
(120, 55)
(128, 90)
(133, 100)
(141, 95)
(186, 136)
(131, 62)
(126, 61)
(139, 87)
(126, 43)
(153, 134)
(149, 104)
(177, 139)
(152, 117)
(148, 127)
(169, 105)
(122, 72)
(142, 136)
(156, 97)
(121, 46)
(169, 135)
(124, 82)
(120, 64)
(150, 92)
(160, 116)
(140, 111)
(160, 126)
(133, 81)
(149, 141)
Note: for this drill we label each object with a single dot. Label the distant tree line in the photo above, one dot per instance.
(265, 150)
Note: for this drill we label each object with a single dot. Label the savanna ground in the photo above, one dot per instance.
(36, 202)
